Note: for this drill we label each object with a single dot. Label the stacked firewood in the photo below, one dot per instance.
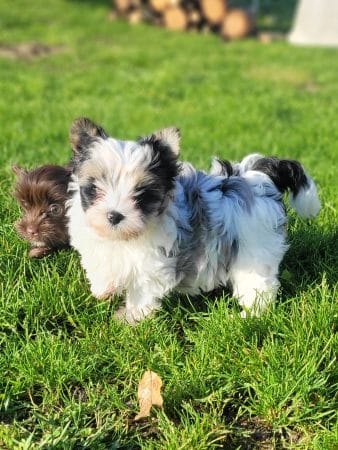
(202, 15)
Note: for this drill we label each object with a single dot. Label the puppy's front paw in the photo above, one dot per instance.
(133, 315)
(103, 294)
(39, 252)
(121, 314)
(130, 317)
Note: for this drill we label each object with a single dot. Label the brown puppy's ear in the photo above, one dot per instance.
(18, 170)
(83, 132)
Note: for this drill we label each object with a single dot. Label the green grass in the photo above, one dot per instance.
(69, 371)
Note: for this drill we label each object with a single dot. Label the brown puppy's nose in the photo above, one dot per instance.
(32, 231)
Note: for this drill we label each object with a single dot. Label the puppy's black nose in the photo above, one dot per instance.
(115, 217)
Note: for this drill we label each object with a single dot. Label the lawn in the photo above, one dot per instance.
(69, 371)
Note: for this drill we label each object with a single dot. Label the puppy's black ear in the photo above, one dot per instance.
(170, 137)
(165, 147)
(83, 132)
(18, 170)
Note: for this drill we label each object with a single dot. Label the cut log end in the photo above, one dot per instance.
(161, 5)
(175, 18)
(214, 11)
(123, 6)
(237, 24)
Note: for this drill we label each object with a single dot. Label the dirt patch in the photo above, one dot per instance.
(28, 50)
(254, 433)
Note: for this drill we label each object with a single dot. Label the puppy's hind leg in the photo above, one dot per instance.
(261, 247)
(255, 287)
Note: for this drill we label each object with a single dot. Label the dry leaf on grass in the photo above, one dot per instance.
(149, 393)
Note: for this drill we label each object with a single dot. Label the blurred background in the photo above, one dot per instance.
(66, 58)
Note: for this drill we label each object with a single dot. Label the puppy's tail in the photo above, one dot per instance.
(225, 168)
(289, 175)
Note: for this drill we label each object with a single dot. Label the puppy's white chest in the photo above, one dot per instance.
(126, 264)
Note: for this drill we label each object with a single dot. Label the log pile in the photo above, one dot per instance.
(200, 15)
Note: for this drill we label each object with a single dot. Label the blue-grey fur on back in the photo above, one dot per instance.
(202, 201)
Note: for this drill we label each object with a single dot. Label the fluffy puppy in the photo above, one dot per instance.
(42, 194)
(145, 224)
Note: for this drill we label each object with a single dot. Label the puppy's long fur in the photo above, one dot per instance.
(42, 194)
(145, 224)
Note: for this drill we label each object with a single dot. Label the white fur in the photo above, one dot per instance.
(306, 202)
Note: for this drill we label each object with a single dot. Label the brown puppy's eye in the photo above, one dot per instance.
(55, 210)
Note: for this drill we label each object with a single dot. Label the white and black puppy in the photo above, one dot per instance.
(145, 224)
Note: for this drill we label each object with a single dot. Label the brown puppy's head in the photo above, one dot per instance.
(42, 193)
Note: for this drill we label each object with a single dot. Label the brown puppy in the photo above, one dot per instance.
(42, 193)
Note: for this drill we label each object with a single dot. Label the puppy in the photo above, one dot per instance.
(145, 224)
(42, 194)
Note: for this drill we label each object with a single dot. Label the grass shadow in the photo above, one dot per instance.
(273, 15)
(310, 249)
(276, 15)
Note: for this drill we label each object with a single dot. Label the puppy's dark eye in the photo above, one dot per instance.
(89, 190)
(148, 198)
(55, 209)
(89, 193)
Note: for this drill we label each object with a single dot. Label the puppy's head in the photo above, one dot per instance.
(123, 184)
(42, 193)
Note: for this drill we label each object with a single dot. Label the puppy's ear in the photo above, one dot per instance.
(18, 170)
(165, 146)
(82, 133)
(170, 137)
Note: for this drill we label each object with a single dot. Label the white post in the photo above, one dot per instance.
(315, 23)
